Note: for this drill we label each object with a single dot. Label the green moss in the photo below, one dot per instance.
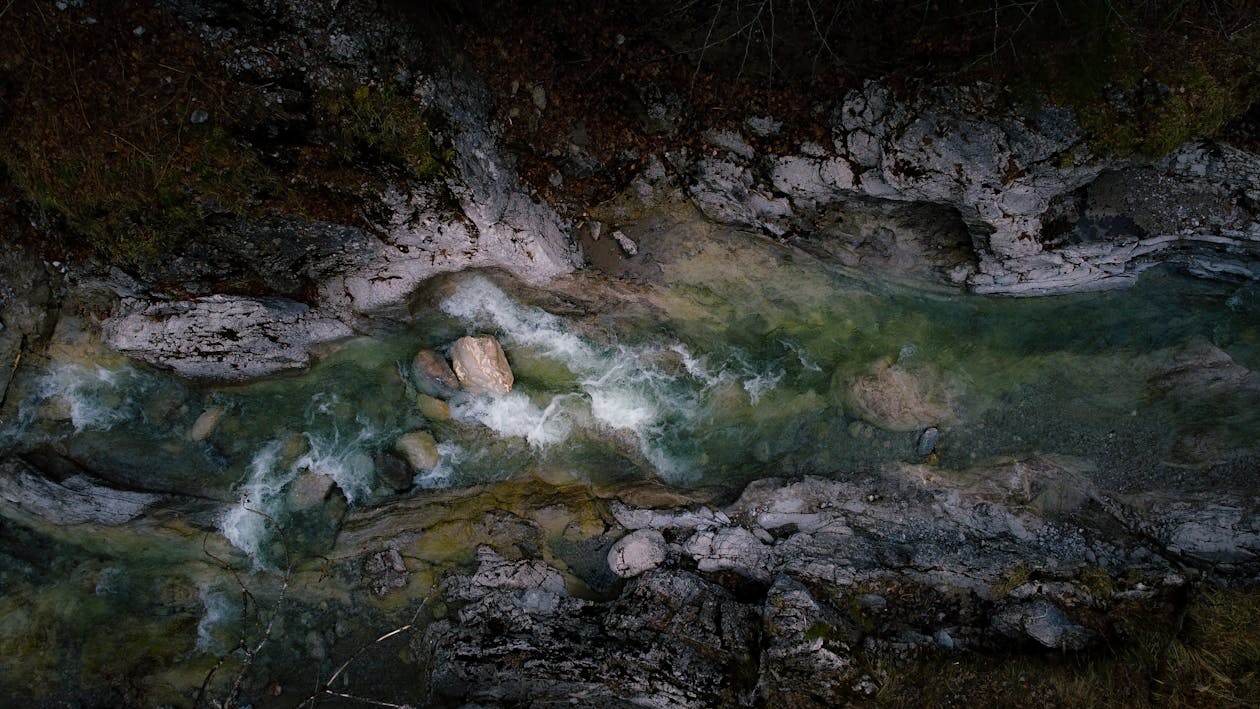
(370, 122)
(1012, 579)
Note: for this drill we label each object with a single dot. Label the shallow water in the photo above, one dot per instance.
(707, 376)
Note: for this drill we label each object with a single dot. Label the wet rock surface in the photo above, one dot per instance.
(481, 366)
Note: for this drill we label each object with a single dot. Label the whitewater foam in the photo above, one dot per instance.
(622, 387)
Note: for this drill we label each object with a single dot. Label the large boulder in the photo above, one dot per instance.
(480, 365)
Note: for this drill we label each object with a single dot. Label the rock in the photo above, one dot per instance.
(419, 449)
(309, 489)
(1032, 212)
(76, 499)
(626, 243)
(481, 366)
(1046, 623)
(896, 399)
(385, 571)
(927, 442)
(396, 472)
(676, 639)
(433, 409)
(432, 375)
(205, 423)
(731, 549)
(220, 337)
(636, 553)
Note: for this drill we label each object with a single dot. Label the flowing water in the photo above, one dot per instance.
(705, 376)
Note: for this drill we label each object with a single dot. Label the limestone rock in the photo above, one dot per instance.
(636, 553)
(419, 449)
(432, 375)
(221, 337)
(480, 365)
(897, 399)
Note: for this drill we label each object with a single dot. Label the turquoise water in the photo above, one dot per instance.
(705, 376)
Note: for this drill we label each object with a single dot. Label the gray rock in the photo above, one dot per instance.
(1046, 623)
(927, 442)
(76, 499)
(637, 552)
(220, 337)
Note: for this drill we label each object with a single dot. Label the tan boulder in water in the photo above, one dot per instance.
(420, 450)
(894, 398)
(481, 366)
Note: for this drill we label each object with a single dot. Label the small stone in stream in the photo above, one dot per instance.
(927, 442)
(419, 449)
(636, 553)
(394, 471)
(205, 424)
(309, 489)
(432, 408)
(433, 376)
(481, 366)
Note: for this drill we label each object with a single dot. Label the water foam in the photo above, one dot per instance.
(344, 458)
(220, 607)
(624, 388)
(97, 398)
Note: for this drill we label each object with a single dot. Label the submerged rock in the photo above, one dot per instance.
(432, 408)
(309, 489)
(481, 366)
(432, 375)
(896, 399)
(205, 423)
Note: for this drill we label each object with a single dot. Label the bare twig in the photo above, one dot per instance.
(244, 645)
(326, 687)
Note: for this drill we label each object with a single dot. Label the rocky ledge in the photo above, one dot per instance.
(812, 592)
(957, 183)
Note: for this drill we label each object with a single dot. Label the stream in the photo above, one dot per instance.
(701, 376)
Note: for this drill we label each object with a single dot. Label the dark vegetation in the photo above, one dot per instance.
(1201, 652)
(128, 139)
(1143, 75)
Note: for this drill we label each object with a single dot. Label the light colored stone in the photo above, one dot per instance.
(481, 366)
(221, 337)
(636, 553)
(419, 448)
(205, 423)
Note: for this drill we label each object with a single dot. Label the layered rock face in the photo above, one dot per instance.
(1042, 213)
(792, 594)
